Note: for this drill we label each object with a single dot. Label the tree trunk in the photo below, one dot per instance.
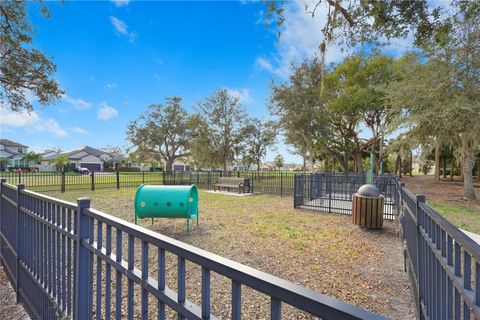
(400, 166)
(478, 170)
(411, 164)
(359, 162)
(467, 169)
(397, 164)
(225, 168)
(169, 165)
(436, 173)
(444, 168)
(452, 169)
(310, 155)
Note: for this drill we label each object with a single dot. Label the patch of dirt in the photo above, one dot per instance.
(443, 190)
(323, 252)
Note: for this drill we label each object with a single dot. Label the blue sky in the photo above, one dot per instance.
(115, 58)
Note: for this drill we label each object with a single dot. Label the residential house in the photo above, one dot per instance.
(83, 157)
(14, 154)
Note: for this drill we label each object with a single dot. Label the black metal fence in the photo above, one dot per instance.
(332, 193)
(271, 182)
(442, 262)
(67, 260)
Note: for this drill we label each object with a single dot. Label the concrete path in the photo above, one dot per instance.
(474, 236)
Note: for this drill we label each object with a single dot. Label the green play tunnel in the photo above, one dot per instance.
(166, 202)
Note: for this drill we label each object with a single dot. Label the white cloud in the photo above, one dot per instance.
(243, 94)
(121, 3)
(106, 112)
(111, 85)
(301, 36)
(121, 28)
(80, 130)
(77, 103)
(264, 64)
(30, 122)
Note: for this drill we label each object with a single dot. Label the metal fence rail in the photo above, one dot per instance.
(443, 262)
(332, 193)
(62, 258)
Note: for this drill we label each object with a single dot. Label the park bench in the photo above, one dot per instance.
(224, 182)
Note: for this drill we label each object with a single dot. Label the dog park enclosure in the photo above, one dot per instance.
(442, 262)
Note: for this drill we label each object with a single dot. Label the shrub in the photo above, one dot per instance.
(426, 166)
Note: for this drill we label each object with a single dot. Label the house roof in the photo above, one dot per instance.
(10, 151)
(87, 149)
(10, 143)
(118, 158)
(49, 155)
(70, 153)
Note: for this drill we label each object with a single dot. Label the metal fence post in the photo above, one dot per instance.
(281, 184)
(19, 176)
(92, 187)
(329, 190)
(295, 191)
(400, 200)
(2, 181)
(419, 276)
(143, 177)
(83, 278)
(62, 181)
(19, 229)
(117, 173)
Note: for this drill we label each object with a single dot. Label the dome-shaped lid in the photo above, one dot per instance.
(368, 190)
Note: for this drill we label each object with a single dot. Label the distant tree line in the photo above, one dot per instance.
(217, 135)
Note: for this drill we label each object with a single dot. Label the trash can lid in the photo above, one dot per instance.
(368, 190)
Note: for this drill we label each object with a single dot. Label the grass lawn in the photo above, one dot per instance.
(323, 252)
(447, 198)
(462, 216)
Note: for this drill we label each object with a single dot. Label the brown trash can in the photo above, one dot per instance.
(367, 211)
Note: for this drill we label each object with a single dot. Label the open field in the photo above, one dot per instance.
(323, 252)
(446, 198)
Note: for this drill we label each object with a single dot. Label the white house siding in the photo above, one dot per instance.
(46, 167)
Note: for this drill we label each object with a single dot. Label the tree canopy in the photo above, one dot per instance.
(163, 132)
(24, 70)
(219, 129)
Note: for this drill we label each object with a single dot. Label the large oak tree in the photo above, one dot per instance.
(163, 132)
(219, 129)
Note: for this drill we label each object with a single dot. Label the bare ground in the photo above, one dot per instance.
(443, 190)
(9, 309)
